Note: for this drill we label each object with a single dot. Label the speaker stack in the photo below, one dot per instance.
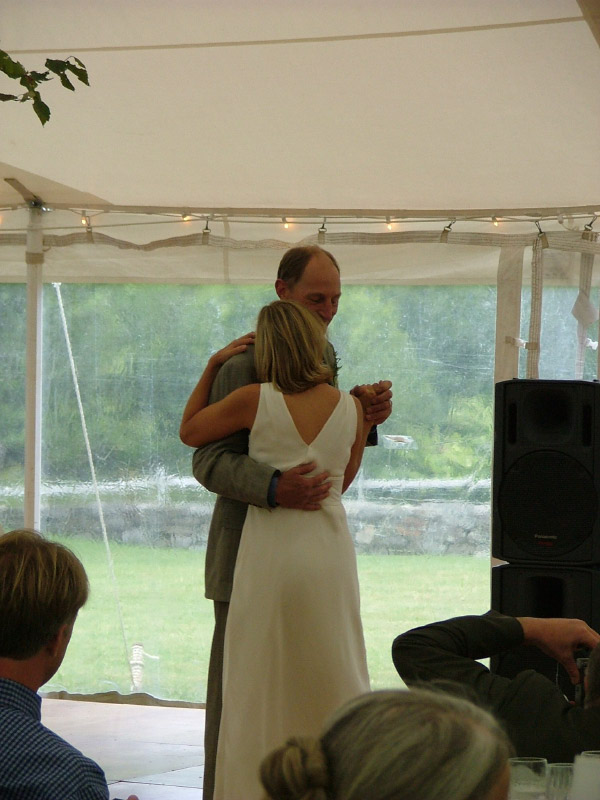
(545, 500)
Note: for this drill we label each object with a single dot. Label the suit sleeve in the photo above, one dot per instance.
(447, 651)
(224, 467)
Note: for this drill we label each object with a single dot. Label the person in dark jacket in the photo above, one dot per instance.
(538, 718)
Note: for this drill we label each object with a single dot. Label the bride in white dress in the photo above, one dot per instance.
(294, 647)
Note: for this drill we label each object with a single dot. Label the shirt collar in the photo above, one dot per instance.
(18, 697)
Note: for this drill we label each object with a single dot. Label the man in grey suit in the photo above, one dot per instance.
(310, 276)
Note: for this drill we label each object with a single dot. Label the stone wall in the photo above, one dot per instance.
(430, 527)
(384, 526)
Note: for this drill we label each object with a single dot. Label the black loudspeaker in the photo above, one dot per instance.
(546, 472)
(543, 591)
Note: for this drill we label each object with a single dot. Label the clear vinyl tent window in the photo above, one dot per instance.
(558, 345)
(418, 510)
(138, 351)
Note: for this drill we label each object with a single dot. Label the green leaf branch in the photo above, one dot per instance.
(31, 80)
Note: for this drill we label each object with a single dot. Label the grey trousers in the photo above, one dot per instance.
(214, 699)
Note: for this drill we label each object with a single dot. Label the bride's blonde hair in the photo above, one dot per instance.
(290, 346)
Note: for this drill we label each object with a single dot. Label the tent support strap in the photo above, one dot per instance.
(33, 382)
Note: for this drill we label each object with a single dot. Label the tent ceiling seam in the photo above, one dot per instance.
(308, 39)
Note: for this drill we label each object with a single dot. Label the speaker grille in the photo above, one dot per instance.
(547, 503)
(549, 416)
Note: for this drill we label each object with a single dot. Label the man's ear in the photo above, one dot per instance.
(281, 288)
(58, 643)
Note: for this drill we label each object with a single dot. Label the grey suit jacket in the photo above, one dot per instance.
(225, 468)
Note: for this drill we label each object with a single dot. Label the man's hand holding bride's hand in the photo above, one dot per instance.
(365, 393)
(376, 400)
(232, 349)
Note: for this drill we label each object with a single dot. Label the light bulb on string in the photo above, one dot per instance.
(322, 232)
(389, 223)
(495, 221)
(286, 224)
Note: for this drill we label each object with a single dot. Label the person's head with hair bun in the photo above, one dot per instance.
(395, 745)
(296, 771)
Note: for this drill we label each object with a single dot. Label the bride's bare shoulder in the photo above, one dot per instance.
(247, 393)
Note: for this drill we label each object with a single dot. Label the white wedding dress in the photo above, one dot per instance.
(294, 646)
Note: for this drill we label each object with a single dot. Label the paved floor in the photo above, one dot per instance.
(151, 751)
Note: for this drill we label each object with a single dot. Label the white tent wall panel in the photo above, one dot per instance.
(415, 259)
(130, 248)
(508, 313)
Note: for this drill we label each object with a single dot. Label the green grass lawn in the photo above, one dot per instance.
(160, 594)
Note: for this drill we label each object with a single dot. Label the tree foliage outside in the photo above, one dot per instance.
(30, 80)
(139, 350)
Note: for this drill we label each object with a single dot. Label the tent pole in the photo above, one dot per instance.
(33, 385)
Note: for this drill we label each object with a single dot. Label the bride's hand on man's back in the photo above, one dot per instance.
(232, 349)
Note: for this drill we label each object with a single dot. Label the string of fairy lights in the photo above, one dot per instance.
(96, 220)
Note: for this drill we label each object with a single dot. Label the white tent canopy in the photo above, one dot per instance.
(400, 108)
(343, 115)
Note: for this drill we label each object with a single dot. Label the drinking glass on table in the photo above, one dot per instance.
(559, 777)
(527, 778)
(586, 778)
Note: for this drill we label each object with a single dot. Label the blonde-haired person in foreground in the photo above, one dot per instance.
(294, 647)
(395, 745)
(42, 587)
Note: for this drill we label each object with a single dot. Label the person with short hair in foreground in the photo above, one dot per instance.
(406, 745)
(42, 587)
